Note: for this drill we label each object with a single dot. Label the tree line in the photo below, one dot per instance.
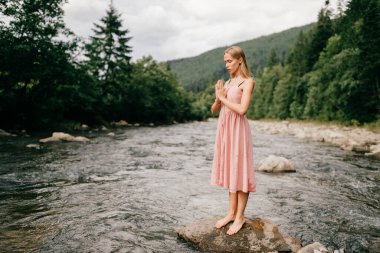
(330, 74)
(49, 78)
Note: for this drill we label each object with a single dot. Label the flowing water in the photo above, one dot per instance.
(128, 193)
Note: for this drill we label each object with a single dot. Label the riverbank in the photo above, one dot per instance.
(358, 139)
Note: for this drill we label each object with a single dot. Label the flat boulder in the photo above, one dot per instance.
(59, 136)
(257, 235)
(276, 164)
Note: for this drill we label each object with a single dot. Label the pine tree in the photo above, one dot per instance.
(297, 60)
(361, 30)
(109, 58)
(320, 35)
(273, 59)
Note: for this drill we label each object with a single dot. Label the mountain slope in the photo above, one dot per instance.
(195, 73)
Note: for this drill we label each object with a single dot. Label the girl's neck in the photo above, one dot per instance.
(235, 77)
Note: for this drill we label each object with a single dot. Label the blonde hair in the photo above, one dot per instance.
(237, 53)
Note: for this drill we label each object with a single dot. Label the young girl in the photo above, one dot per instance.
(233, 159)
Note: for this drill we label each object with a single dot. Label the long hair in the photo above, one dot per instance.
(237, 53)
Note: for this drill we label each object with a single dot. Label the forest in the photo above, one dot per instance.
(50, 78)
(330, 72)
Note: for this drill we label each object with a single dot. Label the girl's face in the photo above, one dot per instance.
(232, 64)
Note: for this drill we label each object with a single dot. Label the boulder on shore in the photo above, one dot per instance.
(59, 136)
(257, 235)
(276, 164)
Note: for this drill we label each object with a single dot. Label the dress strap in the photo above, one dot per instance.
(241, 83)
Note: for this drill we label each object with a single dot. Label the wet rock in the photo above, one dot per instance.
(374, 151)
(103, 128)
(84, 126)
(257, 235)
(36, 146)
(111, 134)
(4, 133)
(59, 136)
(315, 247)
(276, 164)
(347, 138)
(120, 123)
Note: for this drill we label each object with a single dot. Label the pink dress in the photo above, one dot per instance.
(233, 156)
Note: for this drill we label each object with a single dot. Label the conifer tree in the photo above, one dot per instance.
(109, 58)
(319, 36)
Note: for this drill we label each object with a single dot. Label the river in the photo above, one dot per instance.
(129, 192)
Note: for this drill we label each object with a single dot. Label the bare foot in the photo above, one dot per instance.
(236, 226)
(222, 222)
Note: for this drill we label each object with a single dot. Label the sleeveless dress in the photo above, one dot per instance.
(233, 155)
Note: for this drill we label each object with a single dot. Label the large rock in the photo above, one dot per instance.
(59, 136)
(276, 164)
(257, 235)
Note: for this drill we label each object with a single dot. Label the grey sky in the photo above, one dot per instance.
(172, 29)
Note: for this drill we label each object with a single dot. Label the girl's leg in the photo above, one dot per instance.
(231, 213)
(242, 199)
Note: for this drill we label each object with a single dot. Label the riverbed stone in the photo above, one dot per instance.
(276, 164)
(374, 151)
(60, 136)
(257, 235)
(347, 138)
(4, 133)
(313, 248)
(120, 123)
(33, 145)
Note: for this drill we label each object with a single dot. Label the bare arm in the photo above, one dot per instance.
(216, 106)
(243, 107)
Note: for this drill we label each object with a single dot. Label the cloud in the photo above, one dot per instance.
(170, 29)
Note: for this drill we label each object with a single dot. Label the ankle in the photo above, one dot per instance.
(231, 214)
(239, 217)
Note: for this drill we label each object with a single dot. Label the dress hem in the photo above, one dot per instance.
(224, 187)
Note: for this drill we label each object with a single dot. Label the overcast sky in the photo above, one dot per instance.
(172, 29)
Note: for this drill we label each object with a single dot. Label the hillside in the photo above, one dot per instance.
(195, 73)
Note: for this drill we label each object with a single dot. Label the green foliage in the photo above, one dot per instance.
(42, 86)
(319, 36)
(38, 78)
(108, 60)
(154, 95)
(331, 74)
(195, 73)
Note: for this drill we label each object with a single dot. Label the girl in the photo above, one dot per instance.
(233, 158)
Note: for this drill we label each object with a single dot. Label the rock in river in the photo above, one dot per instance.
(257, 235)
(59, 136)
(276, 164)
